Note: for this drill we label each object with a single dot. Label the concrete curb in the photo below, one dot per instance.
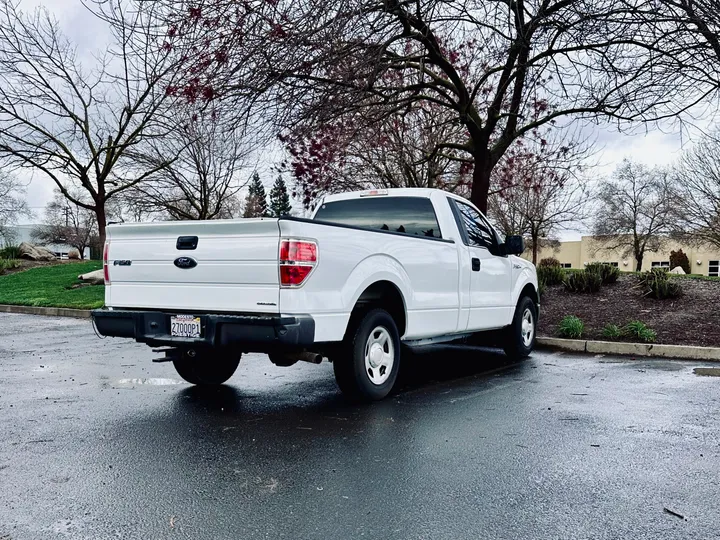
(682, 352)
(48, 311)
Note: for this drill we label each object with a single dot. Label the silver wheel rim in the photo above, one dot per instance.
(527, 327)
(379, 355)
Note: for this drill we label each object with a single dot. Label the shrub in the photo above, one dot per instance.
(551, 275)
(10, 252)
(612, 331)
(583, 282)
(638, 330)
(656, 284)
(571, 327)
(607, 272)
(678, 258)
(548, 262)
(542, 286)
(74, 254)
(8, 264)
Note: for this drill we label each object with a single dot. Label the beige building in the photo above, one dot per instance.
(576, 254)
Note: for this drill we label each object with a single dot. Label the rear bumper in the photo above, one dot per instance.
(251, 333)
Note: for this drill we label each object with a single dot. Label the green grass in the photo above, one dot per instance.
(47, 286)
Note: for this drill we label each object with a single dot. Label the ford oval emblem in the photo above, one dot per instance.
(185, 262)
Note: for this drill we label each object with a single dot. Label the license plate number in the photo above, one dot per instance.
(185, 326)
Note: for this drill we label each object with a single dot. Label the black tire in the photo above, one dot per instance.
(349, 364)
(515, 341)
(207, 368)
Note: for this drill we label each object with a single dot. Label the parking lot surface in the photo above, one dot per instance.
(98, 442)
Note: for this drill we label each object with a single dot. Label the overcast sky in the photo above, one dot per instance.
(653, 148)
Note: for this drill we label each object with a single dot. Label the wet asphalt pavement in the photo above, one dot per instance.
(97, 442)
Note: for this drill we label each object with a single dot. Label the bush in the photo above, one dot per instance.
(607, 272)
(8, 264)
(656, 284)
(74, 254)
(10, 252)
(571, 327)
(542, 286)
(638, 330)
(612, 331)
(548, 262)
(678, 258)
(551, 275)
(583, 282)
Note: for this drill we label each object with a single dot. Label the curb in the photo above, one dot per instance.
(682, 352)
(48, 311)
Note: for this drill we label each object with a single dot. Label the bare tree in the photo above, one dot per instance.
(698, 182)
(12, 206)
(77, 126)
(541, 191)
(67, 223)
(203, 182)
(634, 211)
(501, 69)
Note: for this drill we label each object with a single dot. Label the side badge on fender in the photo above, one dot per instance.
(185, 262)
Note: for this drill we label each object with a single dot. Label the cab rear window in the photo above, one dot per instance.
(414, 216)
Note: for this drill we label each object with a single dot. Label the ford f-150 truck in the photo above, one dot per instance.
(369, 274)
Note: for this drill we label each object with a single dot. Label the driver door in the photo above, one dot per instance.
(490, 272)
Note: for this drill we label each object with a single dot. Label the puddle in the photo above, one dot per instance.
(707, 371)
(156, 382)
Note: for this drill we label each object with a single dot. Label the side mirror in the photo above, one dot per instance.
(514, 245)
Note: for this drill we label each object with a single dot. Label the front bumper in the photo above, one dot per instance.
(252, 333)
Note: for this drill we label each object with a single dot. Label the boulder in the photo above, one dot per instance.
(677, 270)
(93, 278)
(35, 253)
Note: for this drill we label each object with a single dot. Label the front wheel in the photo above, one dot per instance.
(519, 338)
(368, 364)
(210, 367)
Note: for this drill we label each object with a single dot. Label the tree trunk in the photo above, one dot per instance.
(534, 238)
(481, 182)
(638, 263)
(101, 222)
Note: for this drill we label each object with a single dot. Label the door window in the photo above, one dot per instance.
(477, 230)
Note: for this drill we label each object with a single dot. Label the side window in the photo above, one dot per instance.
(478, 230)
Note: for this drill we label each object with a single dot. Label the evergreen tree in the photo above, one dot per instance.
(279, 199)
(256, 200)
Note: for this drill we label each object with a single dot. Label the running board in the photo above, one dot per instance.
(435, 340)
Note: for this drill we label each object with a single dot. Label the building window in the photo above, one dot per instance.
(565, 265)
(714, 268)
(610, 263)
(660, 264)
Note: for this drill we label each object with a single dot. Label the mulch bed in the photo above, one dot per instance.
(27, 265)
(691, 319)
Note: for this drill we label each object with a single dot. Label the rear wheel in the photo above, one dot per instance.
(209, 367)
(367, 366)
(519, 339)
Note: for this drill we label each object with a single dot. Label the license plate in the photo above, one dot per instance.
(184, 326)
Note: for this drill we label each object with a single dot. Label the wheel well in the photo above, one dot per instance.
(385, 295)
(530, 292)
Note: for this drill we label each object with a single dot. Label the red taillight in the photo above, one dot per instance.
(297, 260)
(106, 268)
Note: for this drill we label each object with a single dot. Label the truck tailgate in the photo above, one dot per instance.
(235, 270)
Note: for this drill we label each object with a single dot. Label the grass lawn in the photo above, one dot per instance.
(49, 286)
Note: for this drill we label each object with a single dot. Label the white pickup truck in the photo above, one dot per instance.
(369, 273)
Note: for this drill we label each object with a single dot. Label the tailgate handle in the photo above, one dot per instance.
(187, 242)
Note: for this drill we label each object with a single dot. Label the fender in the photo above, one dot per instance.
(523, 277)
(371, 270)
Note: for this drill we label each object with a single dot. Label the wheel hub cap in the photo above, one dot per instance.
(379, 355)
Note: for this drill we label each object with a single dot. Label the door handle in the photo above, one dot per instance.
(475, 264)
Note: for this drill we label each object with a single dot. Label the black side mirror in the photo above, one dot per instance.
(514, 245)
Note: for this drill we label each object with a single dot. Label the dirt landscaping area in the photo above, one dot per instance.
(691, 319)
